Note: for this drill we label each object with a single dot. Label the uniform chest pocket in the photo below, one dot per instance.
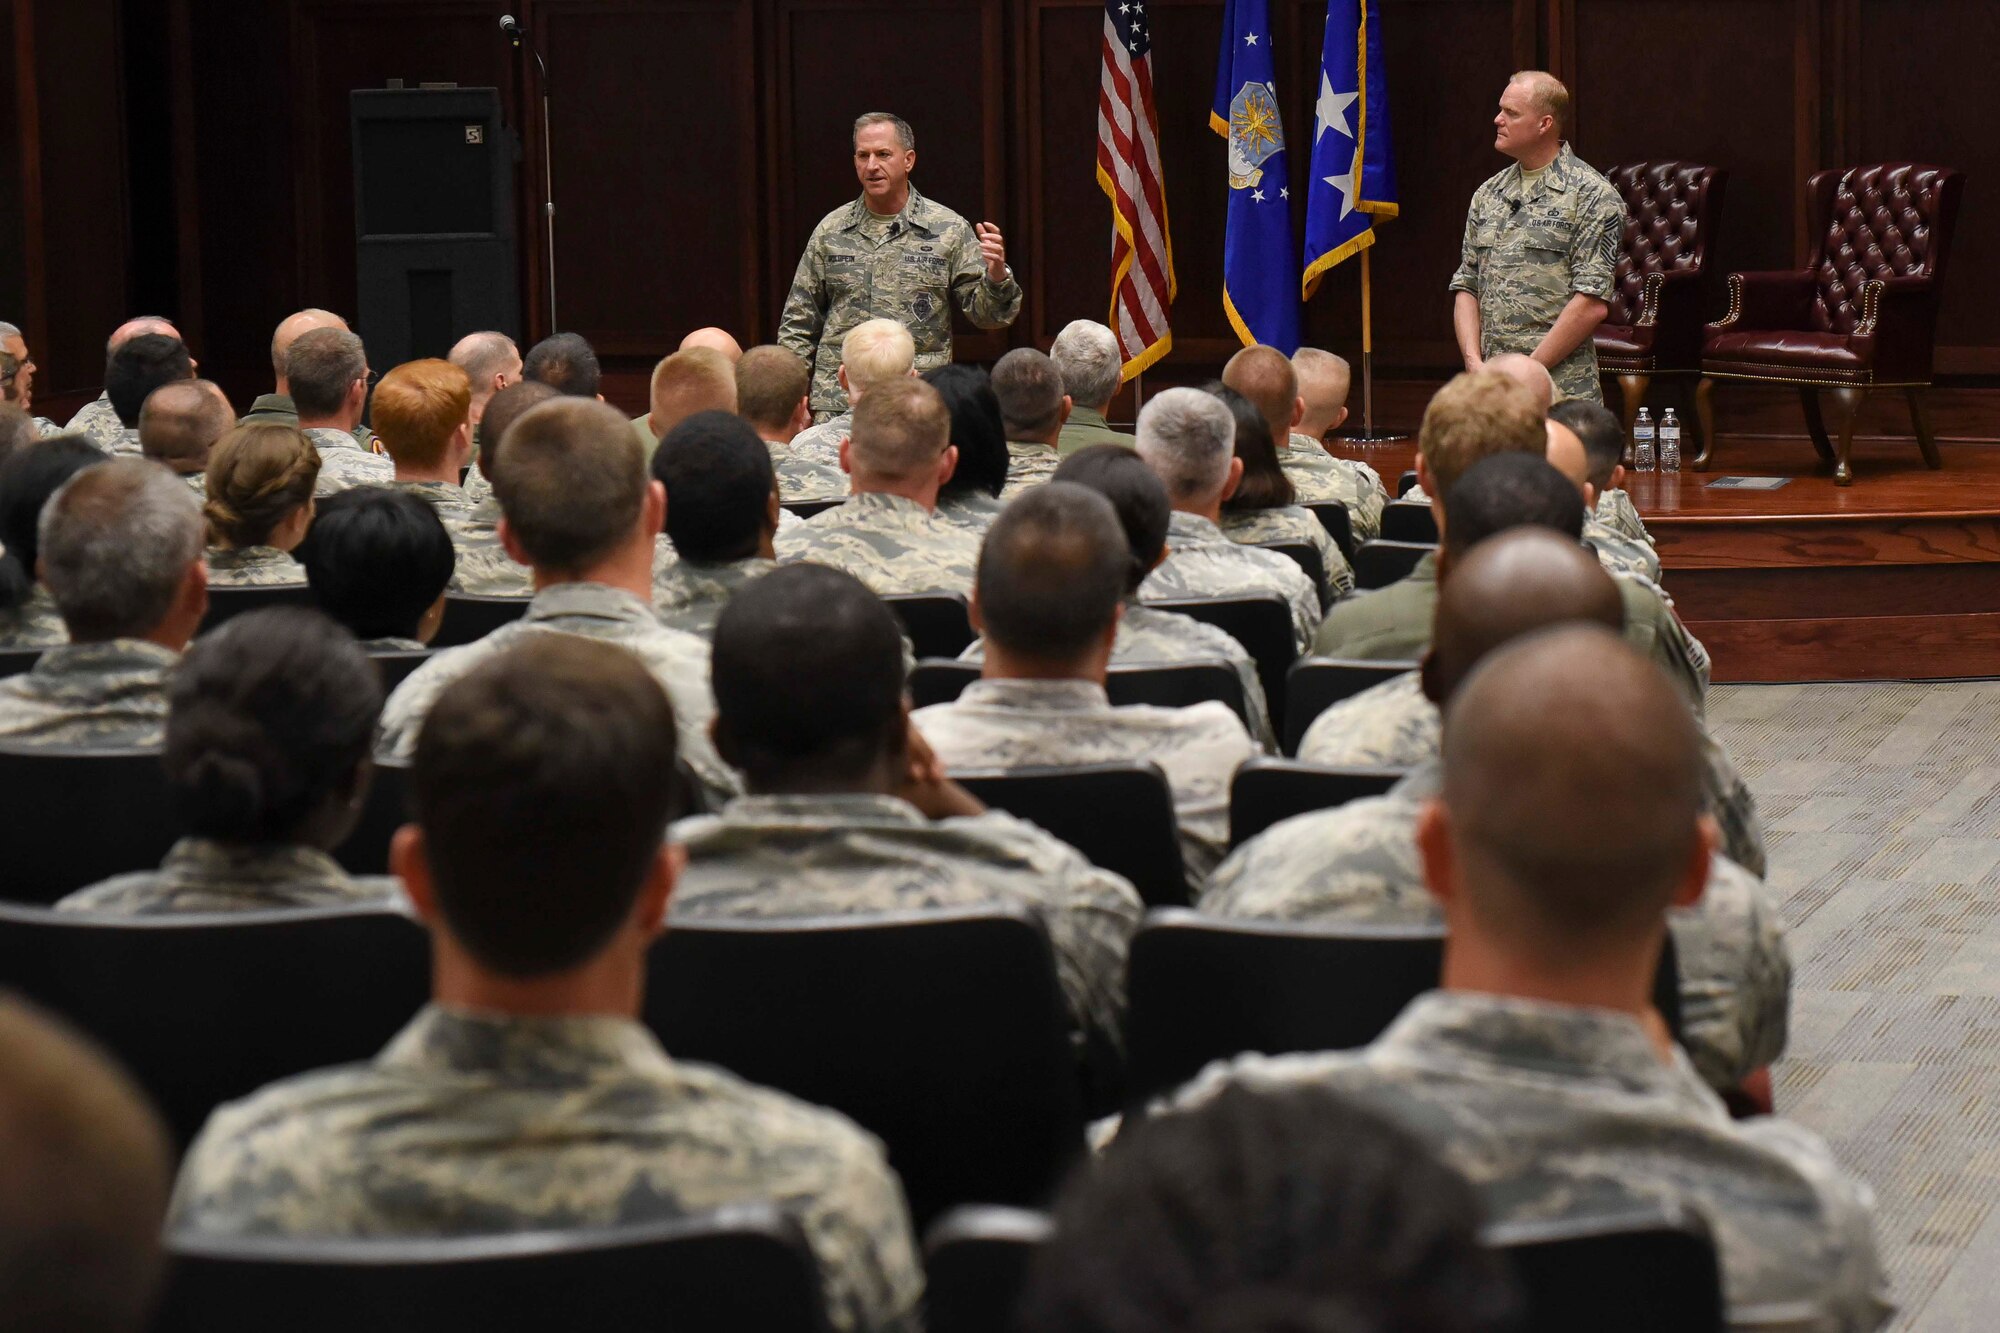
(1547, 236)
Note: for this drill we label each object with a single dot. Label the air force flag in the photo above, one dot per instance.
(1259, 279)
(1353, 180)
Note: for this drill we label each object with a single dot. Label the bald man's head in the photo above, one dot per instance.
(288, 331)
(715, 340)
(1567, 455)
(1529, 373)
(181, 421)
(1521, 581)
(1571, 812)
(1265, 376)
(132, 328)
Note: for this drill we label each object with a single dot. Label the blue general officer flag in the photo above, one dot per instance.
(1353, 180)
(1260, 291)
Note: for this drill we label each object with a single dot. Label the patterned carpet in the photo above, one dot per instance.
(1881, 805)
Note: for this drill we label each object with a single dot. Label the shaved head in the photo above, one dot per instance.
(1529, 373)
(1567, 455)
(289, 329)
(181, 422)
(717, 340)
(692, 380)
(132, 328)
(1324, 380)
(1265, 376)
(1509, 586)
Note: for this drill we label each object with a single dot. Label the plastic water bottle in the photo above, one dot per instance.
(1642, 441)
(1670, 442)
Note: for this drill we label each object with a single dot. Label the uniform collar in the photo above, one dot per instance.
(1183, 528)
(564, 1050)
(326, 437)
(599, 600)
(263, 863)
(863, 503)
(1058, 694)
(916, 214)
(1561, 170)
(112, 655)
(1087, 416)
(823, 808)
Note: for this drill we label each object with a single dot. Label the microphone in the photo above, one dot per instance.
(511, 27)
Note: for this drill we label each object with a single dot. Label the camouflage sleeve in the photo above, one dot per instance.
(986, 305)
(1593, 255)
(1339, 574)
(1844, 1264)
(805, 308)
(859, 1229)
(1734, 807)
(1466, 278)
(1304, 600)
(1735, 977)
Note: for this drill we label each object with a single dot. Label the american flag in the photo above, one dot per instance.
(1128, 168)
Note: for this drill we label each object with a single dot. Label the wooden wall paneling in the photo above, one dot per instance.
(655, 170)
(940, 64)
(20, 170)
(189, 311)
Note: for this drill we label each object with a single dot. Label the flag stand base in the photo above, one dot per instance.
(1373, 438)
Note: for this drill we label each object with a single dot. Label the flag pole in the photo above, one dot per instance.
(1367, 345)
(1138, 393)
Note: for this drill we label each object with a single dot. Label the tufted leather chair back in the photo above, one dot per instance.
(1670, 210)
(1891, 220)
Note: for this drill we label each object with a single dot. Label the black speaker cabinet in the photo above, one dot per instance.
(433, 220)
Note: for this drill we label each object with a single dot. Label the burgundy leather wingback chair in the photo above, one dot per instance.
(1861, 316)
(1655, 325)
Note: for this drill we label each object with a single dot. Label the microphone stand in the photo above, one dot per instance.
(520, 35)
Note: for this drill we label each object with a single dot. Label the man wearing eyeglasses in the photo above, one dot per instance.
(327, 372)
(17, 377)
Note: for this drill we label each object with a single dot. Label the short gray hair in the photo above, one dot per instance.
(1087, 356)
(321, 367)
(904, 134)
(483, 355)
(9, 331)
(1030, 390)
(116, 541)
(1188, 437)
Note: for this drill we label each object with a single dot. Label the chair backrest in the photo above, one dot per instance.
(807, 508)
(1406, 483)
(76, 816)
(1262, 624)
(386, 809)
(1120, 816)
(1316, 684)
(1165, 684)
(1307, 557)
(1200, 989)
(395, 667)
(1268, 791)
(744, 1267)
(937, 623)
(1670, 212)
(1409, 521)
(1333, 516)
(207, 1007)
(1380, 563)
(468, 618)
(224, 603)
(941, 1032)
(1651, 1271)
(975, 1264)
(18, 661)
(1889, 220)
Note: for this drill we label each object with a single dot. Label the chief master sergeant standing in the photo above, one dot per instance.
(1541, 243)
(892, 253)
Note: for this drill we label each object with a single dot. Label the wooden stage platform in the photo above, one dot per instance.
(1896, 576)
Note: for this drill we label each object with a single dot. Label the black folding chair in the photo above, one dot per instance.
(807, 508)
(940, 680)
(943, 1033)
(1380, 563)
(207, 1007)
(385, 809)
(1339, 525)
(1406, 483)
(975, 1262)
(937, 623)
(1268, 791)
(1262, 624)
(395, 667)
(76, 816)
(1316, 684)
(1649, 1271)
(18, 661)
(225, 603)
(1306, 556)
(1120, 816)
(742, 1267)
(1409, 521)
(1201, 989)
(469, 618)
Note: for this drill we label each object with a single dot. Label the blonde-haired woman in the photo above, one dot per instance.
(260, 502)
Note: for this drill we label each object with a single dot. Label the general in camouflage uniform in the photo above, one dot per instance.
(1556, 1112)
(35, 623)
(253, 567)
(344, 464)
(1028, 464)
(1289, 523)
(908, 268)
(1357, 864)
(776, 857)
(1529, 248)
(451, 502)
(472, 1123)
(1202, 562)
(1019, 723)
(1317, 476)
(677, 660)
(203, 875)
(690, 594)
(86, 695)
(891, 543)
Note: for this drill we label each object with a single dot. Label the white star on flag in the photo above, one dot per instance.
(1332, 108)
(1285, 192)
(1258, 195)
(1250, 40)
(1344, 184)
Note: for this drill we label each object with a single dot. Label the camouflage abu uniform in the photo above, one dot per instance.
(690, 594)
(253, 567)
(344, 464)
(99, 420)
(1529, 248)
(87, 695)
(1317, 476)
(1289, 523)
(1616, 511)
(908, 271)
(971, 510)
(1357, 864)
(1619, 553)
(1201, 562)
(476, 1123)
(204, 875)
(805, 477)
(892, 544)
(481, 566)
(1556, 1112)
(35, 623)
(1019, 723)
(1028, 464)
(821, 443)
(450, 501)
(774, 857)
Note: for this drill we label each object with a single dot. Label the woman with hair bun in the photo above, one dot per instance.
(260, 483)
(271, 720)
(28, 617)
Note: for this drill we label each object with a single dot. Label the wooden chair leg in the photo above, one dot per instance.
(1847, 406)
(1925, 440)
(1632, 391)
(1704, 415)
(1691, 426)
(1816, 424)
